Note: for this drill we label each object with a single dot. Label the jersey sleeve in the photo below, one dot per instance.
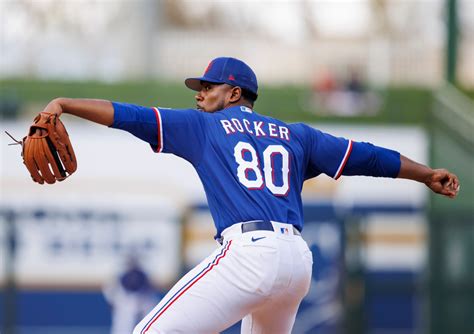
(181, 132)
(327, 154)
(166, 130)
(139, 121)
(336, 156)
(371, 160)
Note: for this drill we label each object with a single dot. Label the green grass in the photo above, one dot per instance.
(468, 91)
(401, 105)
(147, 93)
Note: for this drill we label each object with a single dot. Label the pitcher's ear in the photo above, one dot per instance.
(236, 94)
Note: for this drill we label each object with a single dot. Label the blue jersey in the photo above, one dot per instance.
(252, 167)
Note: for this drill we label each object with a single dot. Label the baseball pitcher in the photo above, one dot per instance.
(252, 168)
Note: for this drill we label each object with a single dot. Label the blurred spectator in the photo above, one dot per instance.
(130, 297)
(346, 98)
(325, 82)
(354, 84)
(355, 94)
(324, 86)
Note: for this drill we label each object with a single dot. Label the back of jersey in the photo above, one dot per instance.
(252, 168)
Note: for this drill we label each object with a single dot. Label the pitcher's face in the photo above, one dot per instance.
(214, 97)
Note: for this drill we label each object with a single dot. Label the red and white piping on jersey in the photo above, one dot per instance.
(344, 160)
(186, 287)
(159, 145)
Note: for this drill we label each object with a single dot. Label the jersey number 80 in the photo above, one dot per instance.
(244, 166)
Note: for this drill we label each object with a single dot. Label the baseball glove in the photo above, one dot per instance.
(47, 151)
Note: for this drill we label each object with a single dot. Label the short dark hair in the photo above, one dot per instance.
(249, 96)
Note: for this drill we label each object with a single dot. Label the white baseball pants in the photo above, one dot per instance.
(258, 276)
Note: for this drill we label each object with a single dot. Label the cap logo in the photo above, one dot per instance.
(231, 77)
(208, 68)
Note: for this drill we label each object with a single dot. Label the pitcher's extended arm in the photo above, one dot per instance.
(440, 181)
(98, 111)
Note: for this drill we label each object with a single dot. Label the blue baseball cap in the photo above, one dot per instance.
(227, 70)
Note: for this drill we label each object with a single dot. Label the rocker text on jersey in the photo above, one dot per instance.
(255, 128)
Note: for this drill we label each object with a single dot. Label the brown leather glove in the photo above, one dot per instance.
(47, 151)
